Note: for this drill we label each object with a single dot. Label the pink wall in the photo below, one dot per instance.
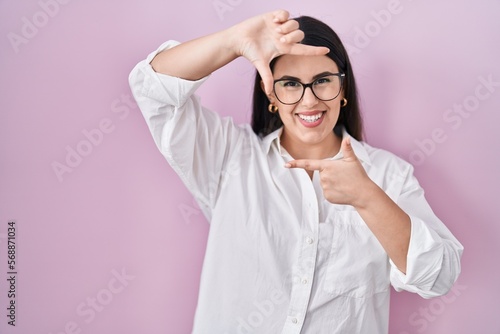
(112, 243)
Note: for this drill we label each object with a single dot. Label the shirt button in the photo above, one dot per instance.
(304, 281)
(309, 240)
(294, 320)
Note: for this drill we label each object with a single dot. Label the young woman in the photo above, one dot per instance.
(309, 224)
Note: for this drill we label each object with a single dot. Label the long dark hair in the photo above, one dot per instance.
(316, 33)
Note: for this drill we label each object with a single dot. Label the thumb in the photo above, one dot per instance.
(346, 148)
(266, 75)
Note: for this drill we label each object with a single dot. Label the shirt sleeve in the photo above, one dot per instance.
(433, 261)
(194, 140)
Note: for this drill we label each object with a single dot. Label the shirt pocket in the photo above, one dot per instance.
(357, 265)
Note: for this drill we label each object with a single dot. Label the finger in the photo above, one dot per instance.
(288, 26)
(306, 164)
(295, 36)
(346, 148)
(308, 50)
(266, 75)
(280, 16)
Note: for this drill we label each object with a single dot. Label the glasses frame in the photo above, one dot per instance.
(310, 85)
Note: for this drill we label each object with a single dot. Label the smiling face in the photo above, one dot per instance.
(308, 124)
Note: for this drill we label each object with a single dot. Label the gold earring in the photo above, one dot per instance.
(344, 102)
(272, 108)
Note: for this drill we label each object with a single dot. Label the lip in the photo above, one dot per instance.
(311, 113)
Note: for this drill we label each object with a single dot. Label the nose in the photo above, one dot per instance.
(309, 99)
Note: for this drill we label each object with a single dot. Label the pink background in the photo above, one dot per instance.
(120, 211)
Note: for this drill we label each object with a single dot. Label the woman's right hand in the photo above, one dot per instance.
(262, 38)
(259, 39)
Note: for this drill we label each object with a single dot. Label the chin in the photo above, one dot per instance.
(313, 138)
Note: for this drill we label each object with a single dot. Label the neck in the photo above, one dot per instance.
(327, 148)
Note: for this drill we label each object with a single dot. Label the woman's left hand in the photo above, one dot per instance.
(344, 181)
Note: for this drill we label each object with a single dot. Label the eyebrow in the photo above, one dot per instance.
(317, 76)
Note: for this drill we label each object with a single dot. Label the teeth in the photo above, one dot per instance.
(312, 118)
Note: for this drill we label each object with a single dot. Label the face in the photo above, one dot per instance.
(310, 121)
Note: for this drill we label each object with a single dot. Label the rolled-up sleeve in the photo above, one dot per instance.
(433, 261)
(194, 140)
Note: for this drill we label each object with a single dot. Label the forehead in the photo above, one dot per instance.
(303, 67)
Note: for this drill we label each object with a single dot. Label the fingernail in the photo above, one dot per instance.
(287, 165)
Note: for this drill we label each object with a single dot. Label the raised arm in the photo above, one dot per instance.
(259, 39)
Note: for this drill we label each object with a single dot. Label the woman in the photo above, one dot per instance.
(309, 225)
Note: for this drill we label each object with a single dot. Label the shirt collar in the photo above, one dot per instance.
(274, 139)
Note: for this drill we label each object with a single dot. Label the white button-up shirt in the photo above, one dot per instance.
(280, 258)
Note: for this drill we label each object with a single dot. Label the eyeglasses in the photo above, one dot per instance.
(325, 88)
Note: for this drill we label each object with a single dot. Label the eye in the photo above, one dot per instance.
(323, 81)
(290, 83)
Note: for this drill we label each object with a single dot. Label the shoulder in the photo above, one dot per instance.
(387, 162)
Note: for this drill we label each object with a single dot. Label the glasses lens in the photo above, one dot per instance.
(288, 91)
(327, 88)
(291, 91)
